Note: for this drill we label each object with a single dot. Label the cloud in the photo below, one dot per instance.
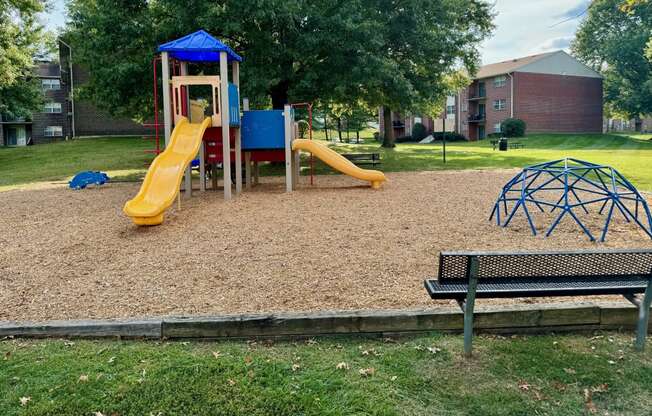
(562, 42)
(530, 27)
(575, 11)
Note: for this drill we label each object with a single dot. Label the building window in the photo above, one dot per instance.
(500, 104)
(497, 128)
(53, 131)
(51, 84)
(54, 108)
(450, 109)
(500, 81)
(465, 106)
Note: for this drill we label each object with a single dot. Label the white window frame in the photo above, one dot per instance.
(500, 81)
(53, 131)
(500, 105)
(52, 108)
(498, 127)
(51, 84)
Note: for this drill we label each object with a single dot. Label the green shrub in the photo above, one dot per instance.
(513, 127)
(403, 139)
(419, 132)
(450, 136)
(303, 128)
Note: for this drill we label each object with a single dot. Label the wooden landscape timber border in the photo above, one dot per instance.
(530, 319)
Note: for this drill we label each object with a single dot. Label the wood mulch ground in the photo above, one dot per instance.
(335, 246)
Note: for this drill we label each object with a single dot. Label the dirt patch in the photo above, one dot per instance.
(337, 245)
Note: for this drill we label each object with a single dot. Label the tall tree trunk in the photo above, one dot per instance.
(388, 134)
(279, 93)
(339, 129)
(326, 126)
(357, 137)
(348, 138)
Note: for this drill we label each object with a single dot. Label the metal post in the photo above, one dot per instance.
(248, 170)
(643, 318)
(288, 148)
(165, 79)
(224, 110)
(238, 134)
(470, 305)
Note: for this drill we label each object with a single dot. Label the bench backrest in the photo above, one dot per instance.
(454, 266)
(362, 156)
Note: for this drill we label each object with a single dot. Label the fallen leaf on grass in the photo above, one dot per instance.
(111, 360)
(367, 372)
(248, 360)
(25, 400)
(342, 366)
(570, 371)
(434, 350)
(217, 354)
(295, 367)
(98, 414)
(83, 378)
(588, 402)
(600, 388)
(231, 382)
(393, 378)
(523, 385)
(7, 355)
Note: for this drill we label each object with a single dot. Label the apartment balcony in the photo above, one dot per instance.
(477, 118)
(478, 97)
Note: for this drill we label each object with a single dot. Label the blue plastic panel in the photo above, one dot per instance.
(234, 106)
(263, 130)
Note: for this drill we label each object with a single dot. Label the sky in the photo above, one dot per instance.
(523, 27)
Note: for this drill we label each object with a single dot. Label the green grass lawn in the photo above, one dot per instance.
(124, 158)
(537, 375)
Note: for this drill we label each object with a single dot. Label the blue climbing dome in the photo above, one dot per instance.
(570, 188)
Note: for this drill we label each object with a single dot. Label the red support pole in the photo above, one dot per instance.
(312, 158)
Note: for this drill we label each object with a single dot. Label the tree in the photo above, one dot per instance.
(332, 51)
(613, 39)
(425, 45)
(20, 39)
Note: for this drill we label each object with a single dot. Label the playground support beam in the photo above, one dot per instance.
(226, 140)
(187, 183)
(165, 80)
(235, 73)
(287, 114)
(245, 107)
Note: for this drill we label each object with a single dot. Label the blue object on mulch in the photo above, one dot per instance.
(83, 179)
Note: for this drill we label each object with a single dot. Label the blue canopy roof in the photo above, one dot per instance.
(198, 47)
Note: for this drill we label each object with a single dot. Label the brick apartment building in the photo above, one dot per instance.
(552, 92)
(55, 120)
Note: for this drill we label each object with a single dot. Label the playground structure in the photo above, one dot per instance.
(214, 128)
(568, 186)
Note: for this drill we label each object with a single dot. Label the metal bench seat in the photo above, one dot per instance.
(540, 287)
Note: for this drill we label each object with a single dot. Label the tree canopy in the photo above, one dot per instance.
(400, 54)
(616, 39)
(20, 40)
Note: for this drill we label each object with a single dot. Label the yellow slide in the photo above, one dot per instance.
(164, 176)
(339, 162)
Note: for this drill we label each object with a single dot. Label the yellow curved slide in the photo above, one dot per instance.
(163, 179)
(339, 162)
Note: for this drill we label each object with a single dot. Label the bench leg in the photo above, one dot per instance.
(470, 306)
(643, 318)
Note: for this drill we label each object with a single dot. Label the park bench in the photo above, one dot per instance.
(516, 145)
(363, 158)
(465, 276)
